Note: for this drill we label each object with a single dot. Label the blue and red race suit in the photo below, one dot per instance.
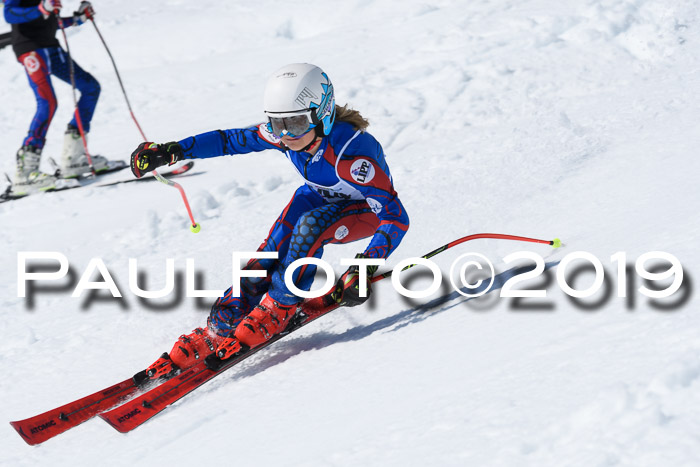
(37, 49)
(348, 195)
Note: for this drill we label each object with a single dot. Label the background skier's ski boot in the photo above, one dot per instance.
(74, 161)
(187, 351)
(28, 178)
(266, 320)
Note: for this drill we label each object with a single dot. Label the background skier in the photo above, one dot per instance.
(348, 195)
(34, 24)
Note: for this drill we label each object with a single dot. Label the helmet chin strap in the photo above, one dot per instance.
(313, 141)
(305, 148)
(318, 132)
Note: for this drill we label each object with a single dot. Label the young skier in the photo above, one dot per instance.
(34, 25)
(348, 195)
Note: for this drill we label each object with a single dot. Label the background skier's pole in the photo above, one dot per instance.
(75, 98)
(194, 227)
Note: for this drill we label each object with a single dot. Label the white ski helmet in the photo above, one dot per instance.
(299, 97)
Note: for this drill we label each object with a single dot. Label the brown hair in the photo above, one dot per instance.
(352, 116)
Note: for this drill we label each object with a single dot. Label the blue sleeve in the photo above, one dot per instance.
(363, 166)
(16, 14)
(227, 142)
(69, 21)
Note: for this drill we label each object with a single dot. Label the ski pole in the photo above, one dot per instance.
(556, 243)
(119, 78)
(78, 120)
(194, 226)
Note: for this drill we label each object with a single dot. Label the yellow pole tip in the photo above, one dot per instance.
(195, 228)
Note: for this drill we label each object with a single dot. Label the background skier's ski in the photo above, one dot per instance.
(183, 169)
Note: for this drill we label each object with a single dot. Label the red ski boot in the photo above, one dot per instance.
(188, 350)
(266, 320)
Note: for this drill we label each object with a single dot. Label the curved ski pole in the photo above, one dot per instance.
(71, 69)
(136, 412)
(556, 243)
(194, 226)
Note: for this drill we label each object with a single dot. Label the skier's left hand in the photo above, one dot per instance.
(84, 13)
(48, 7)
(347, 289)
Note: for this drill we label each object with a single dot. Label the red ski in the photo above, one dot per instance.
(135, 412)
(139, 410)
(45, 426)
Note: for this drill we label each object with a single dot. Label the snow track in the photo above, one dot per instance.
(539, 118)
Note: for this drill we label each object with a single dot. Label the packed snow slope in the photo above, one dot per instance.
(542, 118)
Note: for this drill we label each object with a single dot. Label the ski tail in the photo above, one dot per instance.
(139, 410)
(42, 427)
(150, 401)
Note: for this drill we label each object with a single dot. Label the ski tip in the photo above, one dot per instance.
(195, 228)
(556, 243)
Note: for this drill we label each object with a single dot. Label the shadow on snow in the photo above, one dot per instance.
(286, 349)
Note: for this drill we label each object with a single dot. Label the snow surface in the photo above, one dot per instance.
(541, 118)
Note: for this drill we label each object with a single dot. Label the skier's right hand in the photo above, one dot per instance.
(149, 156)
(347, 289)
(47, 7)
(84, 13)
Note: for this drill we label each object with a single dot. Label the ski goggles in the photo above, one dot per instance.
(294, 126)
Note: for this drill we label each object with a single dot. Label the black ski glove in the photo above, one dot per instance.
(347, 289)
(149, 156)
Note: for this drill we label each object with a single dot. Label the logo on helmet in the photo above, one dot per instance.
(306, 93)
(326, 109)
(289, 74)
